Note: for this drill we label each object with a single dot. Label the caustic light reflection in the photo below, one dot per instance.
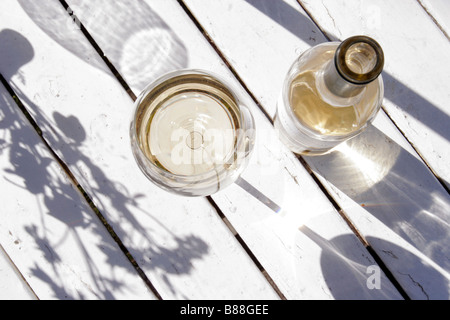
(367, 162)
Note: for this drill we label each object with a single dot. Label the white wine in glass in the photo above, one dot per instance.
(190, 133)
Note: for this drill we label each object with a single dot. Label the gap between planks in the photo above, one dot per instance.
(83, 193)
(434, 20)
(17, 271)
(133, 96)
(341, 212)
(330, 38)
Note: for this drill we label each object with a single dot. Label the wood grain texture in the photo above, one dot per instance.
(84, 114)
(52, 236)
(439, 11)
(377, 179)
(12, 286)
(276, 208)
(416, 66)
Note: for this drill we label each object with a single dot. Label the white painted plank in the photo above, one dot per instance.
(396, 203)
(416, 68)
(262, 40)
(284, 228)
(440, 11)
(180, 243)
(49, 232)
(12, 284)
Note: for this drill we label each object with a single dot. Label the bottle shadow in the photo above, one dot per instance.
(36, 170)
(115, 192)
(376, 173)
(395, 187)
(352, 280)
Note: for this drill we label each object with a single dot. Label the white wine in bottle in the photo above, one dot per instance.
(330, 94)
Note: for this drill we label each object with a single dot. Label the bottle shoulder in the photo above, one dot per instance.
(317, 56)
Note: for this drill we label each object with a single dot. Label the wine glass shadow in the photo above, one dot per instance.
(65, 133)
(258, 195)
(129, 33)
(351, 280)
(374, 172)
(394, 187)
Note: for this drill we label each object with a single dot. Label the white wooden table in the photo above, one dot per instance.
(80, 221)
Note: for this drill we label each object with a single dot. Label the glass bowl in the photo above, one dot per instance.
(190, 133)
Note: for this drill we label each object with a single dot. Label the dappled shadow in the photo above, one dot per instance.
(36, 170)
(143, 48)
(177, 259)
(129, 32)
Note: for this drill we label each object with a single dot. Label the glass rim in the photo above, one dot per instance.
(345, 71)
(200, 177)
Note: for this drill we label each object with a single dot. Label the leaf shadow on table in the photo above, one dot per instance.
(33, 169)
(66, 135)
(411, 102)
(176, 259)
(141, 48)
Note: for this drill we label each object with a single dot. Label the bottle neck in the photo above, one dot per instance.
(357, 62)
(337, 85)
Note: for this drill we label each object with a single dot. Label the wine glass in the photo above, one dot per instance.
(190, 133)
